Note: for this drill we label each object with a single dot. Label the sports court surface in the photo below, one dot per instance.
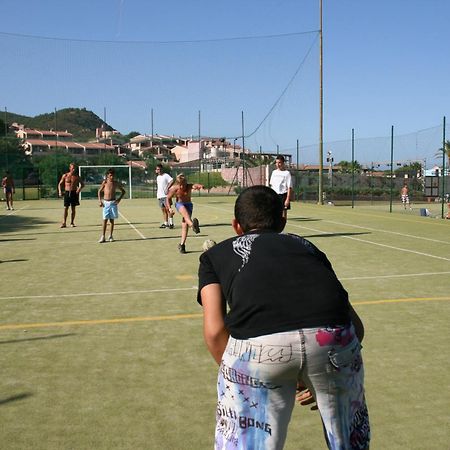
(101, 344)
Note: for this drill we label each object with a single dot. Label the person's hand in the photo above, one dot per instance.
(304, 397)
(100, 204)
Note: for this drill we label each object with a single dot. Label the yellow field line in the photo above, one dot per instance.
(184, 316)
(98, 322)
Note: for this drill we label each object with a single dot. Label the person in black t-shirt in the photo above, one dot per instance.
(276, 317)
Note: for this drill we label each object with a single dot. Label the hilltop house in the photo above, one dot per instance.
(35, 142)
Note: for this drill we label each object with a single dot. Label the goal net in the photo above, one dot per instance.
(93, 177)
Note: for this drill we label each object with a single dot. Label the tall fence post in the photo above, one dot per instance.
(392, 167)
(444, 154)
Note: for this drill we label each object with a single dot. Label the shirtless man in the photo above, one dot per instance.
(109, 203)
(72, 187)
(182, 190)
(404, 193)
(8, 189)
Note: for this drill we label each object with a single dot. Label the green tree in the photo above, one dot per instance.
(12, 157)
(411, 170)
(349, 167)
(446, 151)
(52, 166)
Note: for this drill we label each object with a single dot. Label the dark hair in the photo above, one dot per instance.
(280, 158)
(159, 165)
(259, 208)
(110, 171)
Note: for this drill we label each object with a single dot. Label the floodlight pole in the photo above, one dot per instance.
(443, 168)
(244, 173)
(353, 167)
(392, 168)
(320, 200)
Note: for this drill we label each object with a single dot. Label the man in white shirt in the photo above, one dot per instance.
(163, 181)
(281, 183)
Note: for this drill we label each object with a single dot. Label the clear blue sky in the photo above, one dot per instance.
(385, 63)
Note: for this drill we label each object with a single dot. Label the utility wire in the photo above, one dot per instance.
(277, 101)
(187, 41)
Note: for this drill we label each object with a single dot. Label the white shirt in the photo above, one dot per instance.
(281, 181)
(163, 182)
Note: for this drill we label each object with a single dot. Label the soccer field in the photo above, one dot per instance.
(101, 344)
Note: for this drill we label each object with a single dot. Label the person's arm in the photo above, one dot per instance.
(214, 330)
(170, 194)
(61, 182)
(99, 193)
(290, 191)
(122, 192)
(80, 185)
(357, 323)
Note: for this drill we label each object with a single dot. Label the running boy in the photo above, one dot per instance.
(182, 190)
(109, 203)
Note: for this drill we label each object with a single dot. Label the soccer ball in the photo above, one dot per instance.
(208, 244)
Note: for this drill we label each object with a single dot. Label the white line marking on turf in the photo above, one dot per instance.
(132, 226)
(387, 231)
(374, 243)
(94, 294)
(14, 211)
(405, 275)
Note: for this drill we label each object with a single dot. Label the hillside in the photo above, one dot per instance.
(80, 122)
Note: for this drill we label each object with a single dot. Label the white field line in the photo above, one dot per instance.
(374, 243)
(390, 232)
(14, 211)
(405, 275)
(99, 294)
(194, 288)
(132, 226)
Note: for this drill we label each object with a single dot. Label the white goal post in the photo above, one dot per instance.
(130, 193)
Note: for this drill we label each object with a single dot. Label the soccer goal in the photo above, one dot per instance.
(93, 177)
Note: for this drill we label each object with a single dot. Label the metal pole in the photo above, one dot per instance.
(6, 144)
(443, 168)
(392, 167)
(320, 202)
(56, 150)
(130, 195)
(199, 147)
(260, 165)
(244, 174)
(353, 167)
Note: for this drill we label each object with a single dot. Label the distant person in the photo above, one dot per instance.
(107, 200)
(404, 194)
(277, 319)
(72, 187)
(163, 182)
(281, 183)
(9, 190)
(182, 191)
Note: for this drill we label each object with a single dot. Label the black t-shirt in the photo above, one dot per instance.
(273, 282)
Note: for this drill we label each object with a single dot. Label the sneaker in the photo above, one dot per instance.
(7, 208)
(101, 240)
(72, 225)
(182, 248)
(171, 226)
(163, 225)
(195, 226)
(111, 239)
(63, 225)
